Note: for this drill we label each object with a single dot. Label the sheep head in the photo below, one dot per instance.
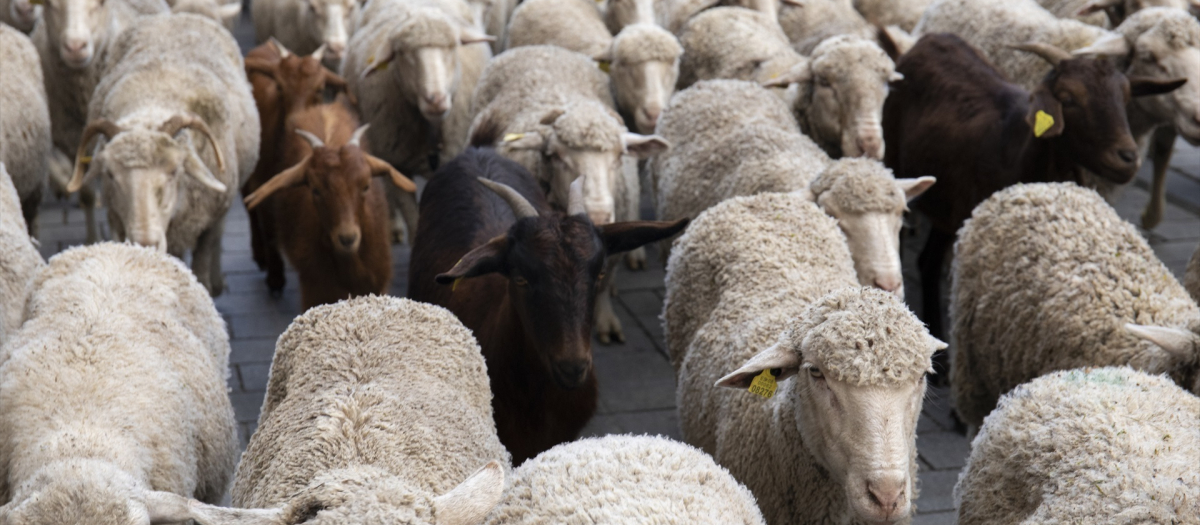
(856, 360)
(1170, 349)
(619, 14)
(23, 14)
(77, 28)
(644, 68)
(327, 23)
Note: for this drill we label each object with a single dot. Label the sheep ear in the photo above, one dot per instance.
(1108, 45)
(473, 499)
(228, 12)
(913, 188)
(798, 74)
(379, 63)
(644, 146)
(775, 357)
(192, 165)
(936, 344)
(1180, 343)
(1096, 6)
(551, 116)
(483, 260)
(166, 508)
(895, 41)
(471, 36)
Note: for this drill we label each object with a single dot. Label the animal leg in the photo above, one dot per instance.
(1162, 144)
(206, 258)
(930, 264)
(608, 327)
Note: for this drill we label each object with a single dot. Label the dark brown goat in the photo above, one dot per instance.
(328, 211)
(523, 278)
(282, 83)
(956, 117)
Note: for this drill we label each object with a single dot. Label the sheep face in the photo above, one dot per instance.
(621, 13)
(78, 28)
(24, 13)
(225, 14)
(645, 67)
(328, 22)
(848, 84)
(424, 50)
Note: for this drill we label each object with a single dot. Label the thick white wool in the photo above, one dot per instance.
(621, 479)
(19, 259)
(734, 43)
(375, 405)
(813, 21)
(1097, 445)
(1045, 278)
(546, 22)
(24, 115)
(883, 13)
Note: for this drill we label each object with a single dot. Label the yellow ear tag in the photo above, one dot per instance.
(86, 159)
(764, 384)
(37, 2)
(379, 66)
(513, 136)
(604, 65)
(1042, 122)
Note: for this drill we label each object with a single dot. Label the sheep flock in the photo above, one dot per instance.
(794, 161)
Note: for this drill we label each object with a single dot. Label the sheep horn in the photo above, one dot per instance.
(520, 207)
(357, 136)
(103, 127)
(1050, 53)
(178, 123)
(313, 140)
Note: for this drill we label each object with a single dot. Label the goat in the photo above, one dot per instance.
(329, 214)
(523, 278)
(956, 117)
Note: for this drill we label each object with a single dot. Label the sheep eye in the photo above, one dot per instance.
(823, 82)
(815, 373)
(520, 281)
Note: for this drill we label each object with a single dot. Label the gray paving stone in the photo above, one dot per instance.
(254, 376)
(943, 450)
(634, 381)
(941, 518)
(652, 422)
(252, 350)
(937, 491)
(246, 405)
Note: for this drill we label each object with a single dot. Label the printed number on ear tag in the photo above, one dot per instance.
(764, 384)
(1042, 122)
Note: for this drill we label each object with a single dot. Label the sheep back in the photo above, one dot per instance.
(1191, 278)
(24, 116)
(19, 259)
(544, 22)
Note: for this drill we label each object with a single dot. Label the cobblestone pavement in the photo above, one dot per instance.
(637, 386)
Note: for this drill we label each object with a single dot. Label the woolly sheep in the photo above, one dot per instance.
(165, 187)
(1100, 445)
(735, 138)
(837, 93)
(809, 22)
(1047, 277)
(302, 26)
(20, 14)
(902, 13)
(766, 282)
(1107, 13)
(1191, 279)
(19, 258)
(674, 14)
(24, 121)
(225, 13)
(113, 394)
(415, 62)
(72, 42)
(375, 404)
(624, 479)
(544, 22)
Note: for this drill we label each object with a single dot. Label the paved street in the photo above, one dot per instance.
(637, 390)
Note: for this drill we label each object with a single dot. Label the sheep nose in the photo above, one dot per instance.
(1128, 155)
(335, 49)
(886, 494)
(871, 146)
(652, 115)
(889, 283)
(74, 46)
(438, 102)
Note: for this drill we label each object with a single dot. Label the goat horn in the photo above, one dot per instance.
(520, 207)
(178, 123)
(1050, 53)
(575, 198)
(357, 136)
(283, 179)
(313, 140)
(283, 51)
(320, 52)
(103, 127)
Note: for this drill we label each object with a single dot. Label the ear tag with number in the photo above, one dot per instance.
(1041, 123)
(764, 384)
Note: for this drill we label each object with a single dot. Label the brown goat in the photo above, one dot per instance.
(282, 83)
(956, 117)
(523, 278)
(328, 210)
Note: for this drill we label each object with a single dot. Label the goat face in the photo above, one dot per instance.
(342, 190)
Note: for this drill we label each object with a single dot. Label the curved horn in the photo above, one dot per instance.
(283, 179)
(103, 127)
(313, 140)
(320, 52)
(357, 136)
(520, 207)
(180, 122)
(575, 198)
(283, 51)
(1050, 53)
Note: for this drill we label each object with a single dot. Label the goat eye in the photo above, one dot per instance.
(366, 188)
(316, 193)
(520, 281)
(815, 373)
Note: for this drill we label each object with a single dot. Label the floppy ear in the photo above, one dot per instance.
(644, 146)
(284, 179)
(913, 188)
(228, 12)
(1096, 6)
(379, 62)
(530, 140)
(166, 508)
(1179, 343)
(1113, 44)
(471, 36)
(473, 499)
(1045, 114)
(798, 74)
(380, 167)
(483, 260)
(1143, 87)
(774, 357)
(624, 236)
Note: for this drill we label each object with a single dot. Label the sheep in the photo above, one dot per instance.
(1047, 277)
(1191, 278)
(164, 187)
(328, 212)
(377, 410)
(1106, 13)
(113, 393)
(415, 62)
(771, 272)
(305, 25)
(19, 258)
(735, 138)
(807, 23)
(901, 13)
(624, 479)
(529, 277)
(674, 14)
(543, 22)
(1095, 445)
(24, 121)
(839, 90)
(72, 42)
(20, 14)
(225, 13)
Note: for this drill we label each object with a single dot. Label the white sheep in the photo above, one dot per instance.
(674, 14)
(1047, 277)
(545, 22)
(415, 62)
(1108, 13)
(19, 258)
(624, 479)
(24, 121)
(180, 132)
(735, 138)
(113, 403)
(20, 14)
(765, 285)
(72, 42)
(837, 93)
(809, 22)
(374, 406)
(225, 13)
(901, 13)
(302, 26)
(1098, 445)
(1191, 278)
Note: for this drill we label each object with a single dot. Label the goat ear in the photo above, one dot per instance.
(644, 146)
(1143, 87)
(624, 236)
(473, 499)
(1108, 45)
(193, 166)
(284, 179)
(380, 167)
(776, 357)
(483, 260)
(166, 508)
(913, 188)
(1045, 114)
(1181, 344)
